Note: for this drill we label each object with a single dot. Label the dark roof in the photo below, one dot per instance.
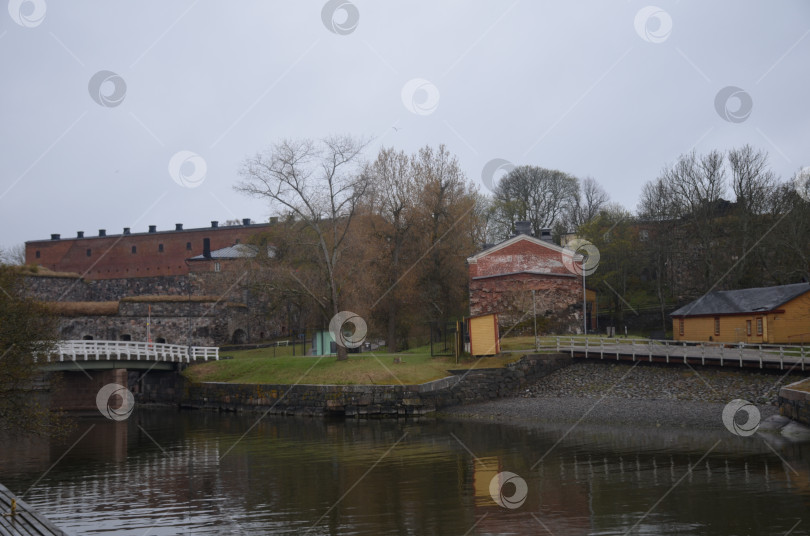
(748, 300)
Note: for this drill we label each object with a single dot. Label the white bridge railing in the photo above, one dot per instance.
(726, 353)
(130, 351)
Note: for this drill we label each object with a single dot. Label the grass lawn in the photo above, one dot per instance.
(259, 366)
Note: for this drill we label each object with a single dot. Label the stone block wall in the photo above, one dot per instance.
(794, 403)
(365, 401)
(189, 323)
(558, 299)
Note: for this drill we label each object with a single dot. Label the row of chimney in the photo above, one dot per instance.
(525, 227)
(152, 229)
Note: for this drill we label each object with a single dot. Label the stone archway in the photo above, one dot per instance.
(239, 336)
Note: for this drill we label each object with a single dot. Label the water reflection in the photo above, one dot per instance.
(168, 472)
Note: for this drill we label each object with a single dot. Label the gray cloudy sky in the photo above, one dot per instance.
(614, 90)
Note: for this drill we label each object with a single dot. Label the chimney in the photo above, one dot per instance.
(214, 224)
(245, 221)
(545, 235)
(523, 227)
(126, 230)
(152, 228)
(207, 248)
(79, 234)
(178, 226)
(55, 236)
(102, 232)
(273, 219)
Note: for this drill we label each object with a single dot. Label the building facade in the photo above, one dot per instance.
(524, 275)
(134, 255)
(778, 314)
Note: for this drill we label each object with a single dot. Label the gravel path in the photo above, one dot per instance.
(644, 395)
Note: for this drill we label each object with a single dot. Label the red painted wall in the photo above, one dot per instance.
(111, 256)
(522, 256)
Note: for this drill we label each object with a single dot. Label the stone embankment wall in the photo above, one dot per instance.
(67, 289)
(794, 402)
(462, 387)
(229, 316)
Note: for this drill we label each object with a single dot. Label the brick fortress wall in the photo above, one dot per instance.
(154, 253)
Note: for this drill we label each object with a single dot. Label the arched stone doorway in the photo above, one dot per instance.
(239, 336)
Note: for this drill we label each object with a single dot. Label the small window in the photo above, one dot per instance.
(126, 337)
(160, 248)
(759, 326)
(717, 325)
(217, 267)
(89, 252)
(680, 326)
(644, 235)
(237, 240)
(748, 327)
(188, 246)
(134, 249)
(37, 254)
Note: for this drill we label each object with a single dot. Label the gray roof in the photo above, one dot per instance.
(749, 300)
(236, 251)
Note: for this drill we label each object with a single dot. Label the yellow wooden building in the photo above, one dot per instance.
(754, 315)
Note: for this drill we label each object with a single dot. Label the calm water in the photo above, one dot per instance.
(168, 472)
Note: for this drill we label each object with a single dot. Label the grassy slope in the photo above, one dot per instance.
(259, 366)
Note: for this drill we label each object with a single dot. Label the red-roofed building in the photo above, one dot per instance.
(503, 276)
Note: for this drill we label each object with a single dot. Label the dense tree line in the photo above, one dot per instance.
(714, 221)
(389, 238)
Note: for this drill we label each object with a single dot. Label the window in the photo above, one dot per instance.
(644, 235)
(89, 252)
(748, 327)
(37, 255)
(217, 267)
(188, 246)
(680, 326)
(759, 326)
(717, 325)
(160, 248)
(134, 249)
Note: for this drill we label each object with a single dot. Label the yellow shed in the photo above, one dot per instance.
(754, 315)
(484, 337)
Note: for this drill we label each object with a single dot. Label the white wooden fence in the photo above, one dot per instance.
(130, 351)
(724, 354)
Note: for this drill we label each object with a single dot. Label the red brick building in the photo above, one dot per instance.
(127, 255)
(503, 276)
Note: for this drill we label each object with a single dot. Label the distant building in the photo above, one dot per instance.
(503, 276)
(128, 255)
(778, 314)
(225, 259)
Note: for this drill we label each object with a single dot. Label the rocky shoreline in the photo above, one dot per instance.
(605, 393)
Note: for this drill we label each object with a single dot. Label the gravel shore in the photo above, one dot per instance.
(641, 394)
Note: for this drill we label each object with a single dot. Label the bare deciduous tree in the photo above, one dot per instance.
(319, 184)
(530, 193)
(15, 255)
(590, 200)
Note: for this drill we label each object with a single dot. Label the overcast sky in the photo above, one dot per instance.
(612, 90)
